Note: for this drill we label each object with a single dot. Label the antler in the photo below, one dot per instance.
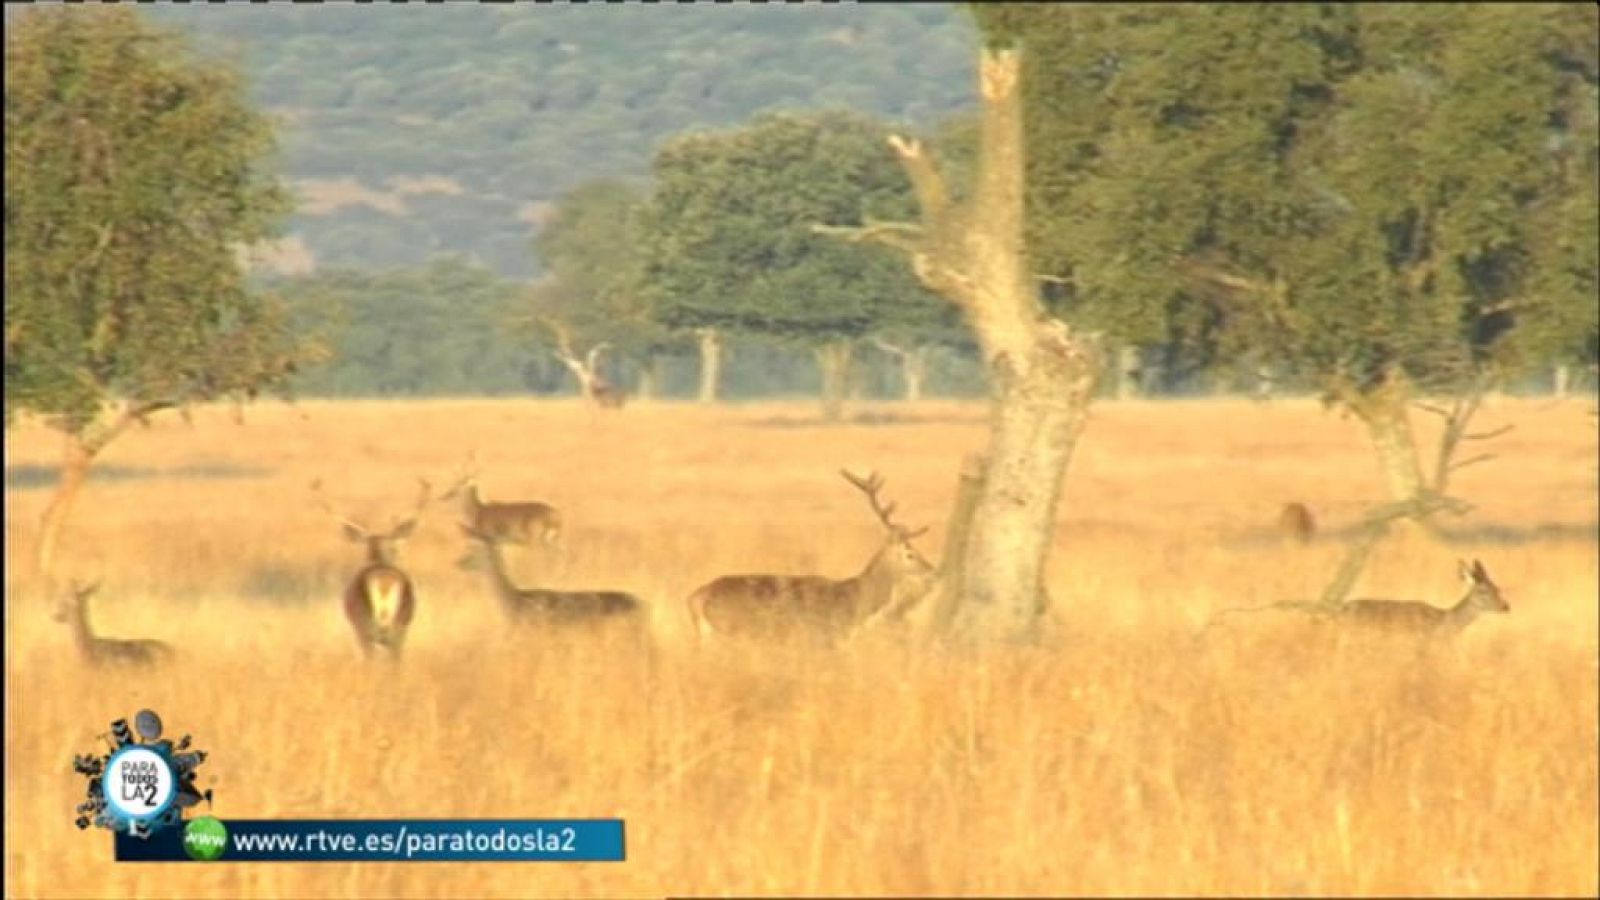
(870, 486)
(321, 500)
(422, 506)
(465, 475)
(81, 590)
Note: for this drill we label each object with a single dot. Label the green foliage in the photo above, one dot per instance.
(589, 252)
(727, 243)
(133, 176)
(433, 329)
(1334, 188)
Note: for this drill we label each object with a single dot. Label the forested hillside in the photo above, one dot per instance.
(416, 129)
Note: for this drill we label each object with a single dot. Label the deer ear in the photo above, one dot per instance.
(354, 533)
(403, 530)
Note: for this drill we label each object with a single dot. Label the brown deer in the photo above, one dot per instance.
(607, 395)
(1296, 523)
(1482, 596)
(380, 600)
(526, 523)
(825, 609)
(546, 606)
(1407, 617)
(98, 650)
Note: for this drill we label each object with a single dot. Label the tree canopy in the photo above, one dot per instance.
(1389, 186)
(727, 240)
(136, 172)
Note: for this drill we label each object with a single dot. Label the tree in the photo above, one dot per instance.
(591, 291)
(1372, 205)
(433, 328)
(134, 175)
(726, 243)
(1042, 372)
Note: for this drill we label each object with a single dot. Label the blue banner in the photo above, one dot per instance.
(378, 840)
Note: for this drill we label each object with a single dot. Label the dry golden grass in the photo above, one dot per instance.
(1134, 754)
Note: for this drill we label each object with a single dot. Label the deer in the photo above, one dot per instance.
(1409, 616)
(607, 395)
(380, 599)
(829, 610)
(526, 523)
(547, 606)
(96, 650)
(1296, 523)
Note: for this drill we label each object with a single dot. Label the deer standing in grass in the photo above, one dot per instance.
(1482, 596)
(527, 523)
(544, 605)
(777, 606)
(1406, 617)
(380, 600)
(98, 650)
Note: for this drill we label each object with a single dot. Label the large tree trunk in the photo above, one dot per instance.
(833, 359)
(76, 459)
(710, 364)
(1036, 416)
(1384, 409)
(1042, 375)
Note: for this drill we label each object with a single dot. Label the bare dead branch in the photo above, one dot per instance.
(1482, 457)
(1486, 435)
(891, 349)
(932, 198)
(902, 236)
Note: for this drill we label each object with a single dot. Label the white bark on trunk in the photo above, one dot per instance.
(710, 364)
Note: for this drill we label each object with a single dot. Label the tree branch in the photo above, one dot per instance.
(890, 349)
(902, 236)
(932, 198)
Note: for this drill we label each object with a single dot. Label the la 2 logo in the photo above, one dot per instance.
(139, 779)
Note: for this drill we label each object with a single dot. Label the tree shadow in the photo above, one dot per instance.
(32, 477)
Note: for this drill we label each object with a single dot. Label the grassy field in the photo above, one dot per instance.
(1134, 753)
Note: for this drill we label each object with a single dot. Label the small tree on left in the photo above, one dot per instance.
(134, 184)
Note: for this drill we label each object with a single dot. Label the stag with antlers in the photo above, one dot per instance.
(526, 523)
(782, 606)
(380, 600)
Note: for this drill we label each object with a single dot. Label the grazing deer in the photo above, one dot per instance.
(107, 651)
(380, 600)
(543, 605)
(776, 606)
(526, 523)
(1296, 523)
(1482, 596)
